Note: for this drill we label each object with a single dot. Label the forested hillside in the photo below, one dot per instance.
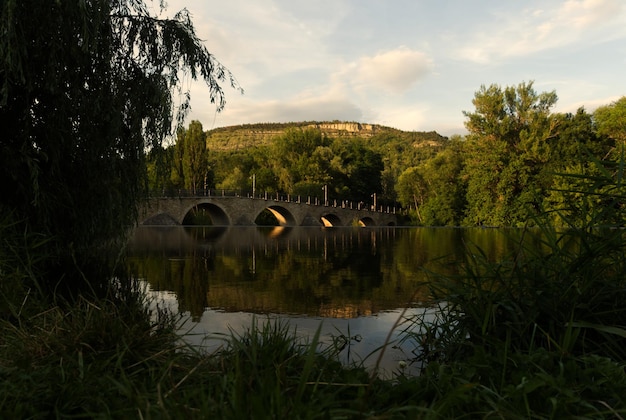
(518, 160)
(263, 134)
(355, 160)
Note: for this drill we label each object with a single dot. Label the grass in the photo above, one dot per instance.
(541, 334)
(110, 358)
(99, 359)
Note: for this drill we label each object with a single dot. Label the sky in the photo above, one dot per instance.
(409, 64)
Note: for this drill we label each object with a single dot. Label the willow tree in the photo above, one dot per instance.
(86, 88)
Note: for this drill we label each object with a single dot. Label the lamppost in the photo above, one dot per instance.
(253, 185)
(374, 195)
(325, 194)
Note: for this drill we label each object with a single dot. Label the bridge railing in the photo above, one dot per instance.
(281, 197)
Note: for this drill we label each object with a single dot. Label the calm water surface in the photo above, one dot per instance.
(354, 282)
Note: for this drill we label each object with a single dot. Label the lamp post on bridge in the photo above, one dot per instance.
(253, 185)
(325, 194)
(374, 196)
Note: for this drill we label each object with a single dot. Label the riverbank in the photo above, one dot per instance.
(534, 336)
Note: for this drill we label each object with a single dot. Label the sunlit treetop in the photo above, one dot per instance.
(611, 119)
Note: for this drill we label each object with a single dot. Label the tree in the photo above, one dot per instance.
(577, 137)
(411, 188)
(292, 154)
(159, 166)
(576, 166)
(235, 181)
(195, 160)
(435, 187)
(508, 143)
(87, 88)
(611, 120)
(177, 174)
(359, 171)
(445, 201)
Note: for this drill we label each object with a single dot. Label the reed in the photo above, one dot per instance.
(542, 332)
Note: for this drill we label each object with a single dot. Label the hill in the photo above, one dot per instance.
(254, 135)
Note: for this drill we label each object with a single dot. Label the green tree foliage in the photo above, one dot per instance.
(314, 163)
(518, 160)
(446, 197)
(434, 188)
(303, 161)
(359, 170)
(610, 121)
(412, 189)
(577, 153)
(508, 143)
(300, 162)
(87, 88)
(165, 173)
(195, 160)
(577, 138)
(177, 173)
(401, 151)
(236, 180)
(298, 157)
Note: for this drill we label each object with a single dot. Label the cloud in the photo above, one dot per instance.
(408, 117)
(396, 70)
(589, 105)
(263, 36)
(583, 14)
(572, 23)
(322, 108)
(413, 68)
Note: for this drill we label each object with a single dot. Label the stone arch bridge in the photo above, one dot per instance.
(243, 211)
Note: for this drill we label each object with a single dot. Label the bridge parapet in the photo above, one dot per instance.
(283, 197)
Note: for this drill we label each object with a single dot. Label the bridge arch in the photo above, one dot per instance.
(202, 211)
(330, 220)
(282, 215)
(367, 221)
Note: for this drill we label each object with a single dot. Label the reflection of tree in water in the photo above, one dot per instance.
(340, 272)
(183, 276)
(303, 277)
(206, 233)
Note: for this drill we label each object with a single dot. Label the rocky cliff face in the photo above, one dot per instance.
(346, 128)
(236, 137)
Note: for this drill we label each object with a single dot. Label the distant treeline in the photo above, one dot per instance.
(518, 160)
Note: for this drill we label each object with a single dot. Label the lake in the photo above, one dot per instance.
(354, 282)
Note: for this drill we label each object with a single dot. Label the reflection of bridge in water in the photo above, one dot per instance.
(179, 240)
(227, 210)
(343, 266)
